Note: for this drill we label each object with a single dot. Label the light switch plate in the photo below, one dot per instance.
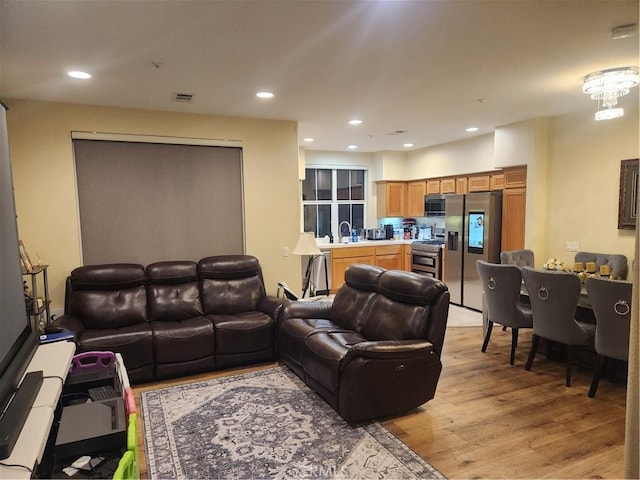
(285, 251)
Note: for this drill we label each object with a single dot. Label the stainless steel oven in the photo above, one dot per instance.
(426, 258)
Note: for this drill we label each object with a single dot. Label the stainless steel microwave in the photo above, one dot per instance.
(434, 205)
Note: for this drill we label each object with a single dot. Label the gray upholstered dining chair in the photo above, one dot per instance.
(554, 298)
(617, 262)
(519, 258)
(611, 302)
(501, 287)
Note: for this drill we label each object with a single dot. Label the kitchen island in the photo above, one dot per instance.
(389, 254)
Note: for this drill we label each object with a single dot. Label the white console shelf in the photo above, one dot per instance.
(54, 360)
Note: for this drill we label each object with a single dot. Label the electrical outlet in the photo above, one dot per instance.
(285, 251)
(573, 246)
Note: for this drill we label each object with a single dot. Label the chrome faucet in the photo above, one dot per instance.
(348, 237)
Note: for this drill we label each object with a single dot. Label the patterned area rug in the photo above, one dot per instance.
(265, 424)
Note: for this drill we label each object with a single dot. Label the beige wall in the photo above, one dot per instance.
(466, 156)
(584, 178)
(45, 191)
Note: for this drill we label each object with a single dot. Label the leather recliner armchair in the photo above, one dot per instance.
(373, 352)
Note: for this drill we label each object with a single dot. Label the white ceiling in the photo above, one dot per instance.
(426, 68)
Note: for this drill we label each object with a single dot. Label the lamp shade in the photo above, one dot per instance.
(306, 245)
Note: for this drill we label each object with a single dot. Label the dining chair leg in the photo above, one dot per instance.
(514, 344)
(569, 354)
(597, 374)
(487, 336)
(535, 339)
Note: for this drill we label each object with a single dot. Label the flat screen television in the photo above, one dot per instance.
(18, 342)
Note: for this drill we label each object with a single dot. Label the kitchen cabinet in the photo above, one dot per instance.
(497, 181)
(461, 185)
(513, 218)
(479, 183)
(407, 257)
(390, 257)
(391, 200)
(515, 177)
(448, 185)
(341, 258)
(433, 187)
(415, 198)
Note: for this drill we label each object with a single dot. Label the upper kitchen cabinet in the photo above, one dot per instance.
(433, 187)
(462, 185)
(497, 181)
(515, 177)
(391, 199)
(415, 198)
(479, 183)
(448, 185)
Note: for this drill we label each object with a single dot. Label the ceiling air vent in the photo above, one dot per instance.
(182, 97)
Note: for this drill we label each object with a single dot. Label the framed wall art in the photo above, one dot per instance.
(628, 203)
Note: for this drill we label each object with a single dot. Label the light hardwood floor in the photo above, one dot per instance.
(493, 420)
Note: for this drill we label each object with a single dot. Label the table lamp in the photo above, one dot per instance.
(307, 246)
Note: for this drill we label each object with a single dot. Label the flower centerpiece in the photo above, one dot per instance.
(555, 264)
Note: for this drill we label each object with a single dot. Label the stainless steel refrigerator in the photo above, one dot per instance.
(473, 228)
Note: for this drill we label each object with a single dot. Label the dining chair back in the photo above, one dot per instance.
(501, 288)
(617, 262)
(611, 303)
(519, 258)
(554, 298)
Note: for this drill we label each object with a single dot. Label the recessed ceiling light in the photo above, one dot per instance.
(355, 121)
(264, 95)
(352, 147)
(308, 139)
(79, 74)
(409, 145)
(471, 129)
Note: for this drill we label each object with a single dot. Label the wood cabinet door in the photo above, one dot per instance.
(497, 181)
(390, 262)
(479, 183)
(461, 185)
(448, 185)
(392, 199)
(415, 198)
(407, 258)
(515, 177)
(513, 218)
(339, 265)
(433, 187)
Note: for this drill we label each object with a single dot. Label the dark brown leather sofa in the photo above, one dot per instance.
(173, 318)
(373, 352)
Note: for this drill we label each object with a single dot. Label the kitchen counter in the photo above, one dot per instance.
(362, 243)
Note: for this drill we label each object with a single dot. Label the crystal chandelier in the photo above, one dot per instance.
(606, 86)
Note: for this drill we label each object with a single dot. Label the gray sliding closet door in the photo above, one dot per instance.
(149, 202)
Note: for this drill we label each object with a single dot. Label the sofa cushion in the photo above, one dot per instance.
(184, 340)
(243, 332)
(173, 291)
(230, 284)
(324, 354)
(292, 333)
(109, 309)
(401, 311)
(107, 296)
(134, 343)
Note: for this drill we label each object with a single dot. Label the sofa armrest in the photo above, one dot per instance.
(388, 349)
(291, 309)
(270, 305)
(66, 322)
